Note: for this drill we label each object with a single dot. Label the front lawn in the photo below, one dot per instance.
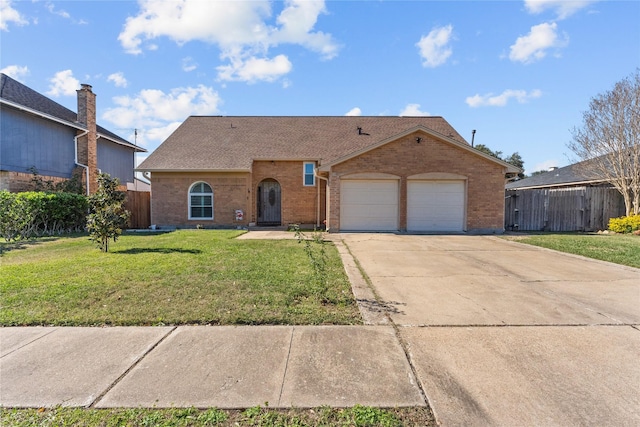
(618, 248)
(182, 277)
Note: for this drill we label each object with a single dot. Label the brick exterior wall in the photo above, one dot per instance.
(16, 182)
(88, 144)
(231, 191)
(301, 205)
(170, 198)
(405, 157)
(299, 202)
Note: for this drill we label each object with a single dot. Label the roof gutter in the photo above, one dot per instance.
(560, 184)
(40, 114)
(141, 169)
(66, 123)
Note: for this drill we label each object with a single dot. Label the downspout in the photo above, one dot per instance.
(86, 168)
(315, 173)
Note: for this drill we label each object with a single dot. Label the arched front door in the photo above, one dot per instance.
(269, 203)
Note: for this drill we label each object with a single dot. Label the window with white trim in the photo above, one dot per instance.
(200, 201)
(309, 178)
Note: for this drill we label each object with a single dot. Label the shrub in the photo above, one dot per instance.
(16, 216)
(31, 214)
(625, 224)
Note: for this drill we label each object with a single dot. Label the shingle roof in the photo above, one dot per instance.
(572, 174)
(17, 93)
(232, 143)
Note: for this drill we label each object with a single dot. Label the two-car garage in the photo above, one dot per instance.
(374, 205)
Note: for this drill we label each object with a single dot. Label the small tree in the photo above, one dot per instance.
(608, 142)
(108, 216)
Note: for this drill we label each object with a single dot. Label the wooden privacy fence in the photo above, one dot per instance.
(562, 209)
(139, 204)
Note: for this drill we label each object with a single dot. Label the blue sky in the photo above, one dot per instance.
(519, 72)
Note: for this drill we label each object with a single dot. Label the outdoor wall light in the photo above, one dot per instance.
(418, 139)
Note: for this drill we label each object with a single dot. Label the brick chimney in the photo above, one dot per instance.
(88, 144)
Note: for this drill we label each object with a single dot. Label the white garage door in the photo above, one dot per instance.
(369, 205)
(435, 205)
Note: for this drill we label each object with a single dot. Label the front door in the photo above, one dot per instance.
(269, 202)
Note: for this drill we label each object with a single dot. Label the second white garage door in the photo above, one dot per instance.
(435, 205)
(369, 205)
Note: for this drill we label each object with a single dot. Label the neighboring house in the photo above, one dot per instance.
(36, 132)
(350, 173)
(568, 176)
(563, 199)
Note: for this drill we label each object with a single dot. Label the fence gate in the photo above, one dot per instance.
(139, 204)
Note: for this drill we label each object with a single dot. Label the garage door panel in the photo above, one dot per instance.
(369, 205)
(435, 205)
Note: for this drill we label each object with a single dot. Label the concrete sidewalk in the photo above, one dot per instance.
(205, 366)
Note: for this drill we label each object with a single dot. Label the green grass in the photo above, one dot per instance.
(617, 248)
(256, 416)
(182, 277)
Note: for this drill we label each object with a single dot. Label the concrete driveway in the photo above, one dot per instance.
(501, 333)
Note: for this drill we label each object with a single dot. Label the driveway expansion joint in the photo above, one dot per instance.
(130, 368)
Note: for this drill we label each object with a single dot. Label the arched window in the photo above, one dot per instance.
(200, 201)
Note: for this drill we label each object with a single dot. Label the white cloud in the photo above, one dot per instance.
(156, 114)
(413, 110)
(534, 46)
(253, 69)
(224, 23)
(52, 9)
(562, 8)
(153, 135)
(188, 64)
(491, 100)
(63, 83)
(297, 21)
(434, 47)
(9, 14)
(16, 72)
(356, 111)
(118, 79)
(241, 30)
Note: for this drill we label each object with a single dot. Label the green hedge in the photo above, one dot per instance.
(625, 224)
(31, 214)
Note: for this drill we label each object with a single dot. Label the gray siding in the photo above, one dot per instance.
(116, 160)
(30, 141)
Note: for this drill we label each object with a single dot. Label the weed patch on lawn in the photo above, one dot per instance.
(184, 277)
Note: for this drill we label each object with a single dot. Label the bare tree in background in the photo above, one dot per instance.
(609, 139)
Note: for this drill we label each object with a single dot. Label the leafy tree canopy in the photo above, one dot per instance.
(515, 159)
